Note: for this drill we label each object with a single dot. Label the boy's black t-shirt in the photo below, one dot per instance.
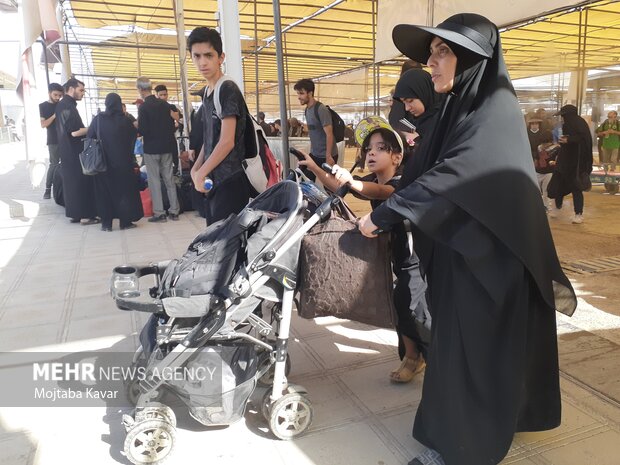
(46, 110)
(233, 104)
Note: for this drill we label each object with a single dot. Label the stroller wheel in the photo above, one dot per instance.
(267, 379)
(156, 411)
(150, 442)
(290, 416)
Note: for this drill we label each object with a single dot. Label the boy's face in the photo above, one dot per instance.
(303, 96)
(55, 96)
(206, 59)
(163, 94)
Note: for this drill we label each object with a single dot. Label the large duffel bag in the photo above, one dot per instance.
(346, 275)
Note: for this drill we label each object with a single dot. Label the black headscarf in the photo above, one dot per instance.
(113, 104)
(481, 159)
(417, 83)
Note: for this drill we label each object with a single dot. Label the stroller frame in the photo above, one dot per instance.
(285, 406)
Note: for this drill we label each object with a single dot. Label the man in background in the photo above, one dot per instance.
(47, 112)
(156, 126)
(323, 146)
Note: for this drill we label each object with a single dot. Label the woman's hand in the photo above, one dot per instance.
(342, 175)
(410, 137)
(366, 226)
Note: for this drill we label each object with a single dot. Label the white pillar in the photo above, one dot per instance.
(575, 86)
(179, 20)
(228, 11)
(64, 48)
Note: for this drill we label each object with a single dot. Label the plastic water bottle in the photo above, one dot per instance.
(208, 185)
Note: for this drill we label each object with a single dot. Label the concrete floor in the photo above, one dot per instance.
(54, 279)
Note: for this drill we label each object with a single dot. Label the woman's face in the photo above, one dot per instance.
(414, 106)
(442, 63)
(379, 157)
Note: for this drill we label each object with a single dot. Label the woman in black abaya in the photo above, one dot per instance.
(575, 158)
(484, 243)
(116, 191)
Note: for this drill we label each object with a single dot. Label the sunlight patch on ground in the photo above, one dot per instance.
(587, 317)
(375, 335)
(357, 350)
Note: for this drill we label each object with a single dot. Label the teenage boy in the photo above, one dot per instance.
(323, 146)
(223, 150)
(47, 112)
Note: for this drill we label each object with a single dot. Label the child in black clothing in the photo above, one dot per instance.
(383, 150)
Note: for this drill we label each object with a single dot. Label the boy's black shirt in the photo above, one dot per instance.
(233, 104)
(46, 110)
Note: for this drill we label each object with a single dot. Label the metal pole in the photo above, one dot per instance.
(288, 93)
(179, 20)
(374, 56)
(281, 85)
(138, 54)
(47, 67)
(256, 55)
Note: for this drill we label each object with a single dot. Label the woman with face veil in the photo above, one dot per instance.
(485, 246)
(117, 192)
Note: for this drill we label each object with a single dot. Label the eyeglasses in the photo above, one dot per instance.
(378, 148)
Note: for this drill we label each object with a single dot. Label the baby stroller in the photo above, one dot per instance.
(207, 312)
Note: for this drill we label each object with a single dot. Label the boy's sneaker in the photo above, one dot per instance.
(173, 216)
(577, 219)
(158, 219)
(47, 194)
(553, 212)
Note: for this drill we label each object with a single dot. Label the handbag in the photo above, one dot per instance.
(346, 275)
(92, 158)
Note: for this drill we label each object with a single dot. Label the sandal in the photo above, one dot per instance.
(408, 369)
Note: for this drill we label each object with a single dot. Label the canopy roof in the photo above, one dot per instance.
(322, 38)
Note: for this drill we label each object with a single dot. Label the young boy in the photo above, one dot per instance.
(223, 150)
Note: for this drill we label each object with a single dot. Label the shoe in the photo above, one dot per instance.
(173, 216)
(74, 220)
(157, 219)
(553, 212)
(106, 228)
(47, 194)
(577, 219)
(90, 221)
(129, 226)
(408, 369)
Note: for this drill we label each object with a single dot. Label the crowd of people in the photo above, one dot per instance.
(476, 294)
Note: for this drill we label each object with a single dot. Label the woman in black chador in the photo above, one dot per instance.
(494, 279)
(116, 191)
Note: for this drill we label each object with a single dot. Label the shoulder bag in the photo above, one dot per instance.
(92, 158)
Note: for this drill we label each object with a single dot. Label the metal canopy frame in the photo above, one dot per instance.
(340, 39)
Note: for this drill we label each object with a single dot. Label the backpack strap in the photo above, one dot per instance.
(316, 112)
(216, 94)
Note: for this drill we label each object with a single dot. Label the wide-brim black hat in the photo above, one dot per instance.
(414, 41)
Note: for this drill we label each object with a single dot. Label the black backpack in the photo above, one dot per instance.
(212, 258)
(338, 125)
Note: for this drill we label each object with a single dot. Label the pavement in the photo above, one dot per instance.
(54, 279)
